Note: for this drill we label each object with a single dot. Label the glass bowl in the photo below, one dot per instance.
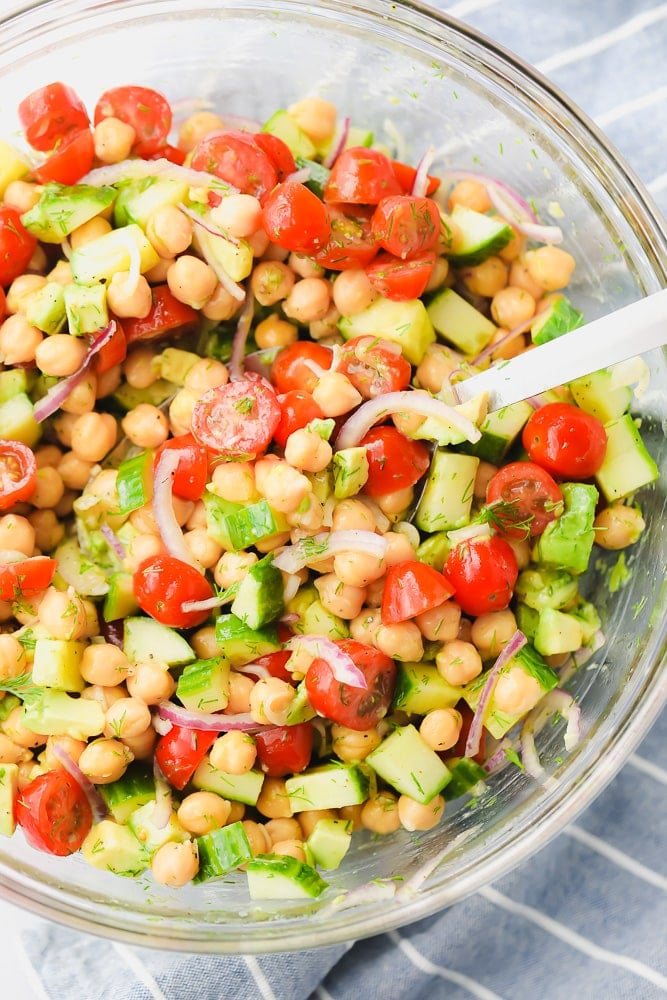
(416, 78)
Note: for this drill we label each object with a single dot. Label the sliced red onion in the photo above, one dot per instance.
(135, 169)
(254, 670)
(208, 721)
(498, 758)
(163, 798)
(299, 176)
(291, 585)
(507, 339)
(342, 665)
(339, 145)
(96, 802)
(464, 534)
(243, 325)
(161, 726)
(416, 881)
(113, 541)
(511, 206)
(416, 401)
(326, 544)
(581, 656)
(207, 605)
(206, 224)
(420, 183)
(261, 362)
(59, 392)
(232, 287)
(517, 641)
(535, 401)
(377, 891)
(163, 508)
(563, 702)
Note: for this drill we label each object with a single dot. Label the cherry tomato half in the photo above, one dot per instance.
(238, 419)
(180, 752)
(290, 369)
(17, 245)
(146, 110)
(162, 584)
(459, 748)
(167, 315)
(404, 225)
(405, 174)
(67, 164)
(356, 708)
(54, 813)
(361, 176)
(374, 366)
(51, 113)
(274, 663)
(483, 571)
(295, 218)
(297, 408)
(525, 499)
(394, 462)
(236, 158)
(191, 473)
(412, 587)
(284, 750)
(18, 473)
(351, 243)
(112, 353)
(278, 152)
(26, 576)
(398, 279)
(565, 441)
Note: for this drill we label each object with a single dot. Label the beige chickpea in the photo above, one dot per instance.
(339, 598)
(273, 801)
(18, 733)
(304, 266)
(143, 519)
(309, 516)
(307, 451)
(139, 368)
(440, 728)
(26, 611)
(490, 633)
(401, 642)
(19, 340)
(62, 614)
(507, 348)
(169, 230)
(273, 331)
(353, 744)
(435, 367)
(146, 426)
(201, 812)
(74, 471)
(49, 531)
(516, 692)
(21, 195)
(17, 534)
(326, 328)
(316, 117)
(60, 355)
(204, 549)
(142, 746)
(522, 551)
(512, 306)
(271, 282)
(105, 664)
(13, 660)
(82, 398)
(105, 760)
(205, 374)
(235, 481)
(485, 473)
(335, 394)
(104, 696)
(618, 526)
(181, 409)
(205, 643)
(283, 828)
(142, 547)
(292, 848)
(72, 747)
(486, 278)
(270, 700)
(93, 436)
(309, 818)
(151, 682)
(352, 814)
(238, 215)
(352, 514)
(399, 548)
(108, 381)
(309, 300)
(196, 127)
(62, 273)
(380, 813)
(234, 752)
(259, 243)
(89, 231)
(440, 275)
(358, 569)
(175, 864)
(414, 815)
(366, 626)
(65, 505)
(395, 504)
(12, 753)
(520, 277)
(258, 838)
(221, 304)
(47, 454)
(352, 292)
(472, 194)
(231, 567)
(458, 662)
(21, 291)
(129, 295)
(240, 691)
(191, 281)
(512, 250)
(282, 485)
(551, 267)
(113, 139)
(127, 718)
(440, 624)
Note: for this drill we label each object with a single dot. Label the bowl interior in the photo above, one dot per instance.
(417, 79)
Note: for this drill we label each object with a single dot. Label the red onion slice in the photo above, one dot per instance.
(232, 287)
(136, 169)
(511, 206)
(113, 541)
(261, 362)
(59, 392)
(254, 670)
(207, 721)
(420, 183)
(163, 508)
(299, 176)
(342, 665)
(338, 146)
(326, 544)
(517, 641)
(97, 804)
(457, 535)
(416, 401)
(243, 325)
(163, 798)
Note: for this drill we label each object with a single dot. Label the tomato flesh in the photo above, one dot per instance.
(374, 367)
(278, 152)
(297, 408)
(191, 473)
(237, 420)
(112, 353)
(565, 441)
(284, 750)
(50, 113)
(69, 161)
(394, 462)
(351, 243)
(54, 813)
(401, 280)
(483, 571)
(162, 584)
(236, 158)
(146, 110)
(524, 498)
(295, 218)
(167, 314)
(361, 176)
(356, 708)
(405, 175)
(291, 369)
(180, 752)
(18, 473)
(412, 587)
(17, 245)
(26, 576)
(404, 225)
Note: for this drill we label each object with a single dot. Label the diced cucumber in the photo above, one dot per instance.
(103, 257)
(317, 620)
(567, 542)
(77, 570)
(237, 787)
(350, 470)
(151, 836)
(499, 430)
(242, 644)
(17, 420)
(544, 587)
(589, 619)
(329, 786)
(138, 199)
(259, 599)
(124, 796)
(9, 792)
(300, 709)
(594, 394)
(406, 762)
(318, 175)
(627, 465)
(55, 713)
(13, 381)
(237, 526)
(114, 848)
(466, 774)
(434, 550)
(447, 498)
(120, 601)
(221, 852)
(286, 128)
(85, 308)
(421, 688)
(273, 877)
(155, 394)
(481, 236)
(526, 619)
(13, 166)
(134, 484)
(235, 259)
(557, 632)
(559, 318)
(443, 432)
(45, 308)
(146, 639)
(407, 324)
(329, 842)
(204, 685)
(455, 319)
(57, 664)
(63, 208)
(173, 364)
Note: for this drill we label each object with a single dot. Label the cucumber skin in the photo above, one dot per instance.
(221, 851)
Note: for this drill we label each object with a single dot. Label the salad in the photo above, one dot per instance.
(264, 583)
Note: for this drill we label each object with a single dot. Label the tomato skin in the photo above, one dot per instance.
(398, 279)
(145, 109)
(295, 218)
(167, 314)
(236, 158)
(483, 571)
(54, 813)
(17, 245)
(278, 152)
(289, 370)
(237, 419)
(162, 584)
(532, 497)
(191, 473)
(404, 225)
(25, 577)
(412, 587)
(18, 473)
(69, 162)
(394, 461)
(405, 175)
(374, 367)
(351, 243)
(112, 353)
(180, 752)
(565, 441)
(297, 408)
(361, 176)
(356, 708)
(284, 750)
(50, 113)
(275, 664)
(166, 152)
(459, 748)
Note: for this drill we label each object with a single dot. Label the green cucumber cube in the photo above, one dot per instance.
(114, 848)
(455, 319)
(627, 464)
(57, 664)
(421, 688)
(330, 786)
(406, 762)
(204, 685)
(329, 842)
(221, 852)
(273, 877)
(9, 792)
(237, 787)
(146, 639)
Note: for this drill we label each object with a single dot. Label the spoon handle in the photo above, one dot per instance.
(634, 329)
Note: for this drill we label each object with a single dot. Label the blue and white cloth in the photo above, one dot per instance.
(586, 918)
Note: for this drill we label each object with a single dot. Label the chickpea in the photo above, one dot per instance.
(203, 549)
(307, 451)
(201, 812)
(191, 281)
(48, 530)
(618, 526)
(105, 664)
(514, 248)
(353, 744)
(129, 295)
(62, 614)
(352, 292)
(82, 397)
(339, 598)
(435, 367)
(270, 700)
(175, 864)
(74, 471)
(104, 696)
(232, 567)
(352, 514)
(472, 194)
(440, 728)
(18, 733)
(235, 481)
(273, 801)
(292, 848)
(22, 290)
(281, 484)
(141, 747)
(13, 660)
(414, 815)
(127, 718)
(17, 534)
(26, 611)
(458, 662)
(275, 332)
(485, 473)
(309, 516)
(234, 752)
(139, 368)
(512, 306)
(440, 275)
(395, 504)
(140, 548)
(316, 117)
(72, 747)
(309, 300)
(309, 818)
(93, 436)
(89, 231)
(516, 692)
(283, 828)
(259, 243)
(401, 642)
(550, 267)
(271, 282)
(151, 682)
(522, 552)
(62, 273)
(105, 760)
(380, 814)
(196, 127)
(366, 626)
(491, 632)
(304, 266)
(221, 305)
(205, 374)
(239, 215)
(169, 230)
(12, 753)
(18, 340)
(146, 426)
(357, 569)
(440, 624)
(486, 278)
(240, 691)
(60, 355)
(113, 139)
(335, 394)
(399, 548)
(326, 329)
(259, 839)
(520, 277)
(180, 411)
(21, 195)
